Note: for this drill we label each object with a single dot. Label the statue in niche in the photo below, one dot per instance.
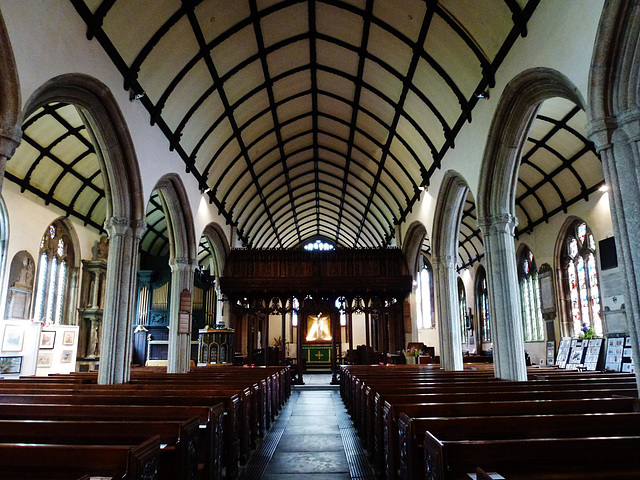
(101, 249)
(94, 349)
(25, 275)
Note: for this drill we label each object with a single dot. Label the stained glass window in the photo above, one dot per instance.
(319, 245)
(482, 305)
(581, 279)
(462, 307)
(532, 323)
(53, 268)
(424, 294)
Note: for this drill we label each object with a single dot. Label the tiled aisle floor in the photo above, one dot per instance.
(313, 439)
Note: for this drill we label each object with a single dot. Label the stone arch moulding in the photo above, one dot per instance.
(446, 228)
(125, 209)
(220, 245)
(614, 127)
(10, 101)
(416, 232)
(182, 260)
(512, 120)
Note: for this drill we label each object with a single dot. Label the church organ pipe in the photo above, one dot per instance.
(143, 305)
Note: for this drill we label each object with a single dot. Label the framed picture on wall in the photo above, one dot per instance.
(10, 365)
(47, 339)
(67, 355)
(68, 337)
(13, 338)
(44, 360)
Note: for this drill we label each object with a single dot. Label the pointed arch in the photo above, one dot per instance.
(219, 245)
(182, 260)
(415, 235)
(125, 208)
(446, 228)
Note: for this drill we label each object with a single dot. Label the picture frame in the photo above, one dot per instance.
(66, 357)
(45, 360)
(13, 338)
(68, 337)
(47, 339)
(10, 365)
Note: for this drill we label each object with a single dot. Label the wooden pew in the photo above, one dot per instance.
(412, 431)
(610, 458)
(211, 421)
(179, 452)
(64, 462)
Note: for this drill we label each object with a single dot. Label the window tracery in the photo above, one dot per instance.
(424, 294)
(532, 323)
(482, 306)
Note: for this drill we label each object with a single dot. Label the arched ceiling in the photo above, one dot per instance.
(57, 164)
(155, 240)
(315, 118)
(470, 246)
(559, 166)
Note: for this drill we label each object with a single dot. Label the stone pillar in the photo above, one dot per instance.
(179, 343)
(504, 296)
(618, 144)
(119, 300)
(10, 137)
(446, 299)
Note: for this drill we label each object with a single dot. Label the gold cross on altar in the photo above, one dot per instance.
(319, 355)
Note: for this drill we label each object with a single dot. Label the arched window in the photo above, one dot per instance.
(319, 245)
(581, 278)
(482, 305)
(462, 306)
(532, 323)
(424, 294)
(54, 266)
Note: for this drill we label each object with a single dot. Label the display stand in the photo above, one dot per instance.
(615, 350)
(57, 349)
(563, 352)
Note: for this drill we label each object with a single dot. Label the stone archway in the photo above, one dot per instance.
(411, 246)
(183, 261)
(125, 211)
(614, 128)
(496, 206)
(446, 226)
(220, 249)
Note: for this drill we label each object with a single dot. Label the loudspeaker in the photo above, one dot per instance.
(608, 255)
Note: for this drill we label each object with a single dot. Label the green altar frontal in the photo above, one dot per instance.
(317, 354)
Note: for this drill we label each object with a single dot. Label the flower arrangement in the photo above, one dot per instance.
(587, 332)
(412, 352)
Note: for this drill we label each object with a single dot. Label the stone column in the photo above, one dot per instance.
(120, 299)
(10, 137)
(179, 343)
(618, 144)
(504, 296)
(446, 299)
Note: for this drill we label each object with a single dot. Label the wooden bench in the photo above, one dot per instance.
(179, 452)
(64, 462)
(412, 431)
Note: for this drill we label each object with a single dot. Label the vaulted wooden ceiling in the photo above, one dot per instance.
(315, 118)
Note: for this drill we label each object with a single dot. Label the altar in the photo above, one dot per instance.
(317, 355)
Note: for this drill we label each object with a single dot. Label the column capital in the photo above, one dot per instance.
(138, 228)
(600, 131)
(182, 264)
(117, 226)
(446, 261)
(500, 223)
(629, 122)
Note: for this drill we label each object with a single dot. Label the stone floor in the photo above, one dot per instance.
(312, 439)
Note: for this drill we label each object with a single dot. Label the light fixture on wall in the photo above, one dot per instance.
(133, 96)
(483, 95)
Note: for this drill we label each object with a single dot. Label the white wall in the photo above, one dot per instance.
(28, 220)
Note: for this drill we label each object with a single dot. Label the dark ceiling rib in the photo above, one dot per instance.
(225, 103)
(322, 147)
(98, 17)
(24, 185)
(470, 262)
(272, 102)
(400, 105)
(135, 86)
(548, 178)
(155, 205)
(231, 164)
(364, 42)
(561, 208)
(325, 193)
(313, 60)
